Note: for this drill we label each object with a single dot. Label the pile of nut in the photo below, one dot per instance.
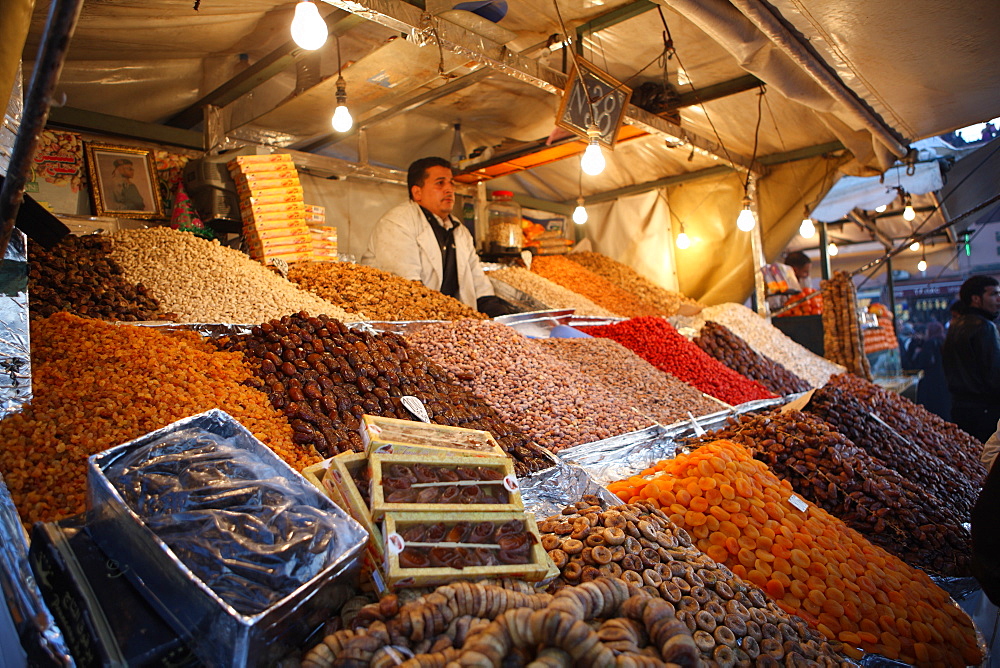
(552, 401)
(598, 289)
(324, 376)
(719, 342)
(627, 278)
(79, 276)
(731, 621)
(548, 292)
(598, 624)
(766, 339)
(826, 468)
(895, 433)
(202, 281)
(653, 393)
(377, 294)
(97, 385)
(842, 341)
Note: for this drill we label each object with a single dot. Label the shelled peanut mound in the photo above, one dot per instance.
(627, 278)
(656, 341)
(600, 624)
(78, 276)
(732, 622)
(324, 376)
(97, 385)
(549, 292)
(202, 281)
(377, 294)
(552, 401)
(767, 340)
(596, 288)
(922, 447)
(731, 350)
(824, 467)
(809, 562)
(651, 392)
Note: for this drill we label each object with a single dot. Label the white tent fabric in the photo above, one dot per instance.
(867, 193)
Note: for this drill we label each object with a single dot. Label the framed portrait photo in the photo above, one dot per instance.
(123, 181)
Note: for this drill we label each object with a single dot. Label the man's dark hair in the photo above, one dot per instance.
(417, 173)
(797, 259)
(975, 286)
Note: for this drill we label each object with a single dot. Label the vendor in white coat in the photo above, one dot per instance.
(422, 241)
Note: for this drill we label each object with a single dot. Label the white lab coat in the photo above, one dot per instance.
(404, 244)
(991, 448)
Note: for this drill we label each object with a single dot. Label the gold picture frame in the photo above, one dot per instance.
(123, 181)
(590, 90)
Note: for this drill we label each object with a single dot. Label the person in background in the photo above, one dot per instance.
(801, 266)
(971, 355)
(924, 353)
(422, 241)
(986, 524)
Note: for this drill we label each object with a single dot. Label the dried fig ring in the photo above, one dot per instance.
(572, 571)
(613, 519)
(562, 528)
(601, 555)
(737, 608)
(651, 578)
(792, 647)
(617, 553)
(580, 532)
(724, 656)
(647, 529)
(715, 610)
(688, 604)
(683, 584)
(589, 574)
(724, 635)
(572, 546)
(594, 539)
(770, 632)
(724, 590)
(550, 542)
(677, 569)
(587, 555)
(631, 545)
(757, 597)
(662, 570)
(633, 578)
(670, 591)
(705, 620)
(700, 594)
(758, 616)
(613, 536)
(611, 570)
(753, 631)
(788, 632)
(691, 576)
(704, 641)
(547, 526)
(558, 557)
(709, 578)
(631, 562)
(737, 623)
(649, 557)
(773, 648)
(653, 593)
(750, 646)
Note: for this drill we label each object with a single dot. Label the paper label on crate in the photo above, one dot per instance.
(394, 544)
(510, 482)
(280, 265)
(798, 503)
(384, 450)
(374, 429)
(415, 406)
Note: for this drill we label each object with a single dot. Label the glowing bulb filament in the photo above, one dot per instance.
(308, 27)
(683, 241)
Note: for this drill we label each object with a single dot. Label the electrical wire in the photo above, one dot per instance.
(756, 137)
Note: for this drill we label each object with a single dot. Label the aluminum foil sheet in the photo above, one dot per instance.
(217, 633)
(518, 298)
(31, 616)
(15, 351)
(547, 492)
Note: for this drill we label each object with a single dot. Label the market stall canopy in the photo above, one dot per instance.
(869, 76)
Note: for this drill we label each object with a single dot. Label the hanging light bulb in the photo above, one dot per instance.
(881, 209)
(745, 221)
(915, 246)
(832, 249)
(807, 229)
(342, 120)
(683, 240)
(580, 215)
(593, 161)
(308, 27)
(922, 265)
(908, 213)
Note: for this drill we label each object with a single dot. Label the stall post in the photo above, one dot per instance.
(824, 255)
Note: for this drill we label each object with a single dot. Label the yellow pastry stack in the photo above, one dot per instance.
(273, 210)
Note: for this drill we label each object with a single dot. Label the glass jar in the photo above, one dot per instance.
(504, 216)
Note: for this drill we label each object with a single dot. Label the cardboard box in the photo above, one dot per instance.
(503, 485)
(394, 436)
(535, 570)
(243, 160)
(214, 629)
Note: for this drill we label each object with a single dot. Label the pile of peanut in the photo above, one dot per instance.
(653, 393)
(549, 293)
(629, 279)
(553, 401)
(376, 293)
(202, 281)
(97, 385)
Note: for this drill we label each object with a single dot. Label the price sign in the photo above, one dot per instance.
(593, 96)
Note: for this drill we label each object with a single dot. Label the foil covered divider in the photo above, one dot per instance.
(219, 634)
(15, 348)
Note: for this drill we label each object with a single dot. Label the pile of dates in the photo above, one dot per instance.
(416, 484)
(828, 469)
(731, 621)
(324, 376)
(725, 346)
(889, 430)
(489, 544)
